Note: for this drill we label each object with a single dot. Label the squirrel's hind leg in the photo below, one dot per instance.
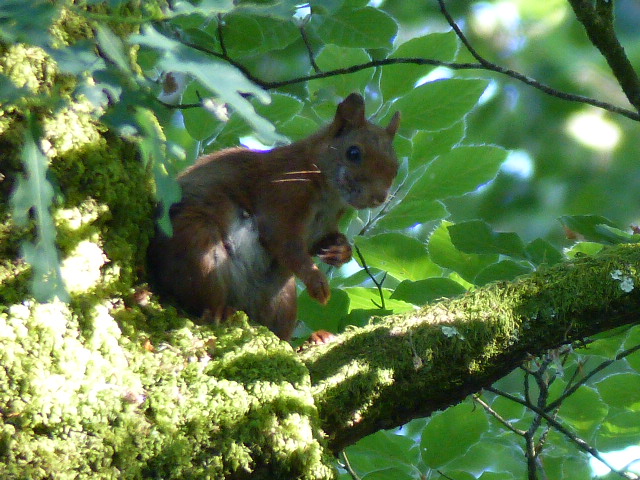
(191, 267)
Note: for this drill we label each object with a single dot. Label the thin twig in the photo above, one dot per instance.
(565, 431)
(487, 65)
(593, 372)
(483, 65)
(223, 47)
(598, 23)
(307, 44)
(373, 279)
(348, 467)
(497, 416)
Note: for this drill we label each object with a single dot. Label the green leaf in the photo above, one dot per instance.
(281, 109)
(409, 212)
(616, 235)
(583, 248)
(323, 317)
(27, 22)
(368, 299)
(78, 58)
(298, 127)
(503, 459)
(428, 145)
(620, 390)
(154, 151)
(460, 171)
(244, 33)
(587, 226)
(425, 291)
(324, 7)
(33, 192)
(206, 8)
(440, 104)
(503, 270)
(112, 47)
(539, 251)
(445, 254)
(334, 57)
(633, 339)
(451, 433)
(199, 122)
(360, 28)
(476, 236)
(583, 409)
(403, 257)
(360, 317)
(381, 452)
(619, 431)
(398, 79)
(9, 93)
(218, 77)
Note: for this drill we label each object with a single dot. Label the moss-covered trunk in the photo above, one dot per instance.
(109, 386)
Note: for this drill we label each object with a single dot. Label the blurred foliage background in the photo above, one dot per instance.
(568, 158)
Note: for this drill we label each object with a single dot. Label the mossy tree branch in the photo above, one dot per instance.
(408, 366)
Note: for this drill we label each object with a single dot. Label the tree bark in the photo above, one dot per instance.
(408, 366)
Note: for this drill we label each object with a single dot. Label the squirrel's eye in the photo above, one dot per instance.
(354, 154)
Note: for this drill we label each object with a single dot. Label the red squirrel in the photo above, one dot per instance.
(249, 221)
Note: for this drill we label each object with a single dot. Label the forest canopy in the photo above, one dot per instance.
(486, 326)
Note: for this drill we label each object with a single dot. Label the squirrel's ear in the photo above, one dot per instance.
(392, 128)
(350, 113)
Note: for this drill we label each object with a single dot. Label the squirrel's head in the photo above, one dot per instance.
(358, 158)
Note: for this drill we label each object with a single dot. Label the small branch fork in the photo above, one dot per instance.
(598, 22)
(548, 411)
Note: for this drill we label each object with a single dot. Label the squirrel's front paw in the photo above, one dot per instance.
(334, 250)
(317, 285)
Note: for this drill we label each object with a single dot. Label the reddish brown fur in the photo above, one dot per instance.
(249, 221)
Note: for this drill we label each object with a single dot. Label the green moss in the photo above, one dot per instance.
(190, 403)
(104, 388)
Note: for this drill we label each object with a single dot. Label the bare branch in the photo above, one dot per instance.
(487, 65)
(307, 44)
(497, 416)
(565, 431)
(598, 22)
(586, 378)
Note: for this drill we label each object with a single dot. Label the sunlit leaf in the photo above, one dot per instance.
(440, 104)
(323, 317)
(154, 153)
(449, 434)
(403, 257)
(34, 193)
(425, 291)
(399, 79)
(411, 211)
(428, 145)
(360, 28)
(445, 254)
(368, 299)
(227, 82)
(621, 390)
(584, 409)
(333, 57)
(112, 47)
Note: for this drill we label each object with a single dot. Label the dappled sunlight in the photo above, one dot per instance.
(591, 129)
